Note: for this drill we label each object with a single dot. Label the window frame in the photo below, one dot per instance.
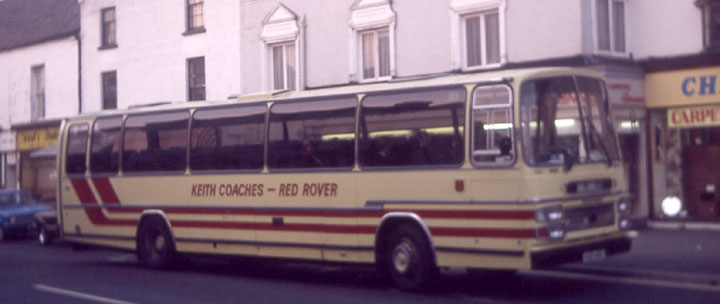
(123, 142)
(375, 55)
(484, 45)
(611, 29)
(191, 127)
(92, 145)
(511, 106)
(106, 90)
(361, 140)
(268, 130)
(37, 92)
(708, 43)
(192, 76)
(286, 75)
(190, 26)
(86, 125)
(108, 29)
(370, 15)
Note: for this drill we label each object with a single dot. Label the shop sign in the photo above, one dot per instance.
(683, 88)
(7, 141)
(36, 138)
(694, 117)
(626, 90)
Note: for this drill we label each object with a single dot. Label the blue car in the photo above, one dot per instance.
(17, 213)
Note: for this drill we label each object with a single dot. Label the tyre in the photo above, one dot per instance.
(155, 247)
(408, 258)
(2, 234)
(43, 237)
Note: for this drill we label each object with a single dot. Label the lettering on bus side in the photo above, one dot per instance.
(255, 190)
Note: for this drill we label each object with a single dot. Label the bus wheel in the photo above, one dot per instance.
(409, 258)
(155, 248)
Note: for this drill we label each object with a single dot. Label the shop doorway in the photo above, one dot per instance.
(701, 172)
(630, 145)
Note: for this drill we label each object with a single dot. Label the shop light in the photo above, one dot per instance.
(671, 206)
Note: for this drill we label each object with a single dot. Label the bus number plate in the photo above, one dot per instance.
(593, 255)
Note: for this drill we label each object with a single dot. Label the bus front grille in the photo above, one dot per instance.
(583, 218)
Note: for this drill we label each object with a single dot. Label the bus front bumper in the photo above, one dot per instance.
(580, 252)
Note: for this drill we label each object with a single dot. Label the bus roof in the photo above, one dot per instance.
(394, 84)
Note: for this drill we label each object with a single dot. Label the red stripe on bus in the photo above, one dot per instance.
(477, 214)
(96, 216)
(483, 232)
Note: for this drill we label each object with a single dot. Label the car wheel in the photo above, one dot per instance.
(409, 258)
(155, 247)
(43, 237)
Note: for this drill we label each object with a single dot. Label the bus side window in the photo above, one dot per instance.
(155, 142)
(228, 138)
(492, 117)
(105, 145)
(417, 128)
(316, 133)
(76, 152)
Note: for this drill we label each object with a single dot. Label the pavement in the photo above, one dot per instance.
(676, 251)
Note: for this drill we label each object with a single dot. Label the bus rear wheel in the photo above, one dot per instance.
(155, 247)
(409, 259)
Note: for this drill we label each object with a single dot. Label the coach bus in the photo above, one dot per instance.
(504, 170)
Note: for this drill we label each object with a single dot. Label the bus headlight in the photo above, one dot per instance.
(549, 214)
(623, 204)
(624, 224)
(551, 232)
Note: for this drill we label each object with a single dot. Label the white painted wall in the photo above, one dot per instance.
(664, 28)
(538, 30)
(151, 57)
(60, 58)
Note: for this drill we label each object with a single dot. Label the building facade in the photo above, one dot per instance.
(683, 99)
(39, 81)
(136, 52)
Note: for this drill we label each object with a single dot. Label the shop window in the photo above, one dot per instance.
(228, 138)
(76, 150)
(417, 128)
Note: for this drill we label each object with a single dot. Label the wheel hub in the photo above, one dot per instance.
(404, 257)
(159, 242)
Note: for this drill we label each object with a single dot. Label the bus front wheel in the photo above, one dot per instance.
(155, 246)
(409, 259)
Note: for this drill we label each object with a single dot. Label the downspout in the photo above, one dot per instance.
(77, 38)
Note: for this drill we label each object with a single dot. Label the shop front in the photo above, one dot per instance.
(684, 107)
(35, 158)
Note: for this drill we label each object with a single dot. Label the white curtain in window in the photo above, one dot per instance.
(618, 9)
(603, 25)
(383, 53)
(492, 37)
(278, 75)
(368, 45)
(290, 65)
(473, 41)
